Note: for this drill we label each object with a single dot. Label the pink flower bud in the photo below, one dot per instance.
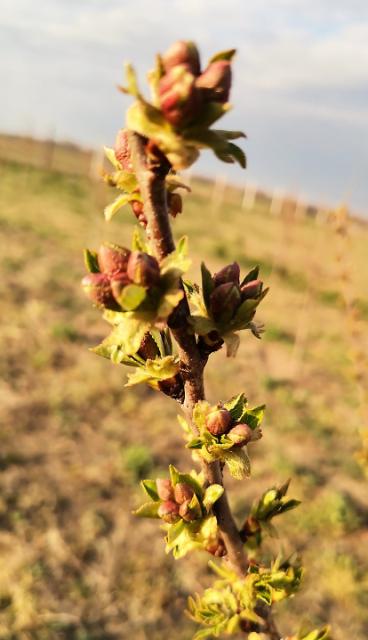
(113, 259)
(251, 289)
(180, 101)
(169, 511)
(224, 301)
(97, 288)
(215, 81)
(216, 548)
(230, 273)
(175, 204)
(122, 151)
(182, 53)
(186, 512)
(143, 269)
(183, 492)
(240, 435)
(218, 421)
(165, 490)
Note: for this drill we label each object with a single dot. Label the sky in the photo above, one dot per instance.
(300, 80)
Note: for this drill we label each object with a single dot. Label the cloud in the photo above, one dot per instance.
(300, 90)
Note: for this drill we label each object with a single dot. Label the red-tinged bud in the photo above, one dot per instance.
(148, 349)
(183, 492)
(180, 101)
(240, 435)
(138, 211)
(143, 269)
(182, 53)
(217, 548)
(118, 283)
(175, 204)
(230, 273)
(165, 490)
(224, 301)
(97, 288)
(186, 512)
(113, 259)
(215, 81)
(251, 289)
(173, 387)
(169, 511)
(122, 151)
(218, 421)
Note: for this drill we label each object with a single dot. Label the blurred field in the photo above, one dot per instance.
(75, 565)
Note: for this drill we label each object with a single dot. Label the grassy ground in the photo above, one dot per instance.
(75, 565)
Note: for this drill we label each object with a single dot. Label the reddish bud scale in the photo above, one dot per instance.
(186, 512)
(241, 434)
(218, 421)
(165, 490)
(251, 289)
(215, 81)
(180, 101)
(169, 511)
(138, 211)
(230, 273)
(180, 53)
(183, 492)
(217, 548)
(97, 288)
(224, 301)
(175, 204)
(113, 259)
(148, 349)
(173, 387)
(143, 269)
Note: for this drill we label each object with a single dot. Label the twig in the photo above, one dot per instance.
(152, 187)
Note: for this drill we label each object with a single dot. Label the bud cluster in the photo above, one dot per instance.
(219, 422)
(124, 157)
(176, 502)
(120, 267)
(228, 293)
(184, 92)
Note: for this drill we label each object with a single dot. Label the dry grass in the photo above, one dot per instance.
(75, 565)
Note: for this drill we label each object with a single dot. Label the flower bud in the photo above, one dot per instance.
(143, 269)
(251, 289)
(175, 204)
(113, 259)
(186, 512)
(138, 211)
(183, 492)
(97, 288)
(240, 435)
(216, 548)
(218, 421)
(230, 273)
(148, 349)
(165, 490)
(215, 81)
(169, 511)
(182, 53)
(118, 283)
(179, 99)
(122, 151)
(224, 301)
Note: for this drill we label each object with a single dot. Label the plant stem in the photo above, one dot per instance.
(153, 191)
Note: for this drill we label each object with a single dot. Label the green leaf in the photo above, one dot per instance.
(138, 241)
(91, 261)
(150, 487)
(202, 325)
(254, 417)
(195, 443)
(211, 495)
(174, 475)
(130, 332)
(110, 155)
(132, 296)
(207, 284)
(148, 510)
(238, 463)
(252, 275)
(118, 203)
(227, 54)
(236, 406)
(132, 84)
(178, 260)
